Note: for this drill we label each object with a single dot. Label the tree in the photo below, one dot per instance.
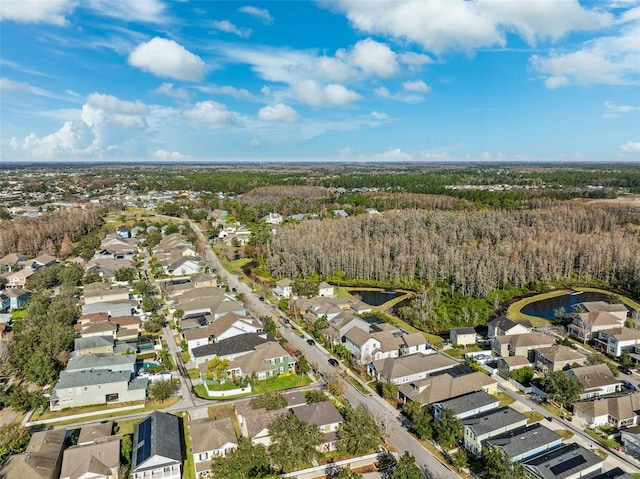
(346, 473)
(320, 325)
(315, 396)
(283, 304)
(154, 323)
(92, 278)
(3, 282)
(449, 429)
(126, 274)
(270, 401)
(217, 368)
(460, 459)
(66, 247)
(149, 304)
(270, 326)
(599, 358)
(388, 390)
(420, 418)
(562, 388)
(625, 358)
(248, 461)
(143, 287)
(358, 434)
(406, 468)
(303, 366)
(522, 375)
(163, 390)
(13, 440)
(334, 384)
(293, 443)
(126, 446)
(305, 288)
(499, 466)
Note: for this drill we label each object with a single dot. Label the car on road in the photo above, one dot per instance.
(334, 362)
(625, 370)
(311, 342)
(234, 290)
(286, 321)
(261, 298)
(629, 385)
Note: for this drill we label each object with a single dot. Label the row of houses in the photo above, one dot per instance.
(178, 256)
(16, 268)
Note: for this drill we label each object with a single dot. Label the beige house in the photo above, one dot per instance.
(585, 326)
(98, 460)
(445, 386)
(597, 380)
(621, 411)
(462, 336)
(18, 279)
(210, 438)
(104, 293)
(511, 363)
(520, 344)
(41, 460)
(204, 280)
(557, 358)
(326, 417)
(503, 326)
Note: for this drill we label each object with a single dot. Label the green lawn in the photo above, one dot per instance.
(533, 416)
(285, 381)
(459, 353)
(189, 468)
(564, 434)
(505, 399)
(602, 440)
(193, 373)
(356, 384)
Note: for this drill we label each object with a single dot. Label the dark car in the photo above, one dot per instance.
(234, 290)
(334, 362)
(261, 298)
(311, 342)
(625, 370)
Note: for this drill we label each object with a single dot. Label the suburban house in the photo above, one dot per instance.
(88, 387)
(229, 348)
(18, 279)
(325, 289)
(42, 459)
(272, 219)
(523, 443)
(10, 261)
(597, 380)
(462, 336)
(445, 386)
(227, 307)
(204, 280)
(342, 324)
(406, 369)
(503, 326)
(479, 428)
(98, 362)
(585, 326)
(414, 343)
(557, 358)
(325, 417)
(107, 267)
(157, 451)
(123, 307)
(104, 293)
(183, 266)
(226, 327)
(616, 340)
(18, 298)
(521, 344)
(99, 459)
(43, 261)
(620, 411)
(367, 346)
(511, 363)
(466, 405)
(105, 328)
(265, 361)
(210, 438)
(254, 423)
(284, 288)
(571, 461)
(93, 344)
(616, 309)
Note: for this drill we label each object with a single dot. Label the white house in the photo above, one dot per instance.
(211, 438)
(272, 218)
(597, 380)
(325, 289)
(616, 340)
(284, 288)
(406, 369)
(462, 336)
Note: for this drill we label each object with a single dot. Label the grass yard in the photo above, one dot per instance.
(533, 416)
(564, 434)
(459, 353)
(285, 381)
(602, 440)
(554, 409)
(356, 384)
(504, 398)
(188, 468)
(193, 373)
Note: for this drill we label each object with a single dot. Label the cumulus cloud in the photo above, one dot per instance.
(613, 111)
(630, 147)
(228, 27)
(167, 58)
(469, 25)
(278, 112)
(378, 116)
(314, 94)
(375, 58)
(170, 155)
(382, 91)
(228, 90)
(417, 86)
(414, 59)
(392, 154)
(169, 90)
(212, 113)
(260, 13)
(39, 11)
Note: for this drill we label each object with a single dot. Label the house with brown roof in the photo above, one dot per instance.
(204, 280)
(10, 261)
(18, 279)
(619, 412)
(210, 438)
(99, 459)
(615, 341)
(406, 369)
(502, 326)
(557, 358)
(326, 417)
(616, 309)
(462, 336)
(325, 289)
(585, 326)
(367, 346)
(42, 459)
(104, 293)
(520, 344)
(597, 380)
(445, 386)
(511, 363)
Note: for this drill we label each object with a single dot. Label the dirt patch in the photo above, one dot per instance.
(8, 416)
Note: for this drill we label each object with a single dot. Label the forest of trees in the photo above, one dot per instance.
(45, 234)
(471, 252)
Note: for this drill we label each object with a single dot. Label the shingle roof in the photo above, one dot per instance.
(465, 330)
(209, 434)
(157, 435)
(92, 342)
(485, 423)
(100, 361)
(39, 459)
(90, 377)
(526, 339)
(468, 402)
(562, 462)
(357, 336)
(594, 376)
(392, 368)
(560, 353)
(525, 439)
(602, 306)
(98, 458)
(234, 345)
(620, 408)
(318, 414)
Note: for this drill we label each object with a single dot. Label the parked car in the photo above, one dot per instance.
(311, 342)
(625, 370)
(334, 362)
(261, 298)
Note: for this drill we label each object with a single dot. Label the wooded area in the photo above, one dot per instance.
(471, 252)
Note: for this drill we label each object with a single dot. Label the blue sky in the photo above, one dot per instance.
(330, 80)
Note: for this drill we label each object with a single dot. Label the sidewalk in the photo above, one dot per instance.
(25, 422)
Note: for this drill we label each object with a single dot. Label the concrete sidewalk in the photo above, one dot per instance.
(26, 423)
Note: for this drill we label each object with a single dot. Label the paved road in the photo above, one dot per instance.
(318, 358)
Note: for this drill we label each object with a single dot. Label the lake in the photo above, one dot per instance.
(546, 308)
(374, 298)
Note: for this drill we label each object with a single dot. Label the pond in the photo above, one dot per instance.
(374, 298)
(547, 308)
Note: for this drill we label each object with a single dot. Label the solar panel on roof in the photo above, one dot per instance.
(567, 465)
(144, 441)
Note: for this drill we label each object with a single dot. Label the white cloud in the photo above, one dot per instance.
(7, 85)
(631, 147)
(469, 25)
(382, 91)
(392, 154)
(166, 58)
(149, 11)
(101, 109)
(211, 112)
(37, 11)
(414, 59)
(170, 155)
(314, 94)
(374, 58)
(239, 93)
(169, 90)
(265, 90)
(255, 143)
(278, 112)
(260, 13)
(611, 60)
(10, 86)
(228, 27)
(613, 111)
(346, 151)
(378, 116)
(417, 86)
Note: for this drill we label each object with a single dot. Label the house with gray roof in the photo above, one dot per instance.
(89, 387)
(114, 309)
(523, 443)
(42, 458)
(157, 450)
(93, 344)
(557, 358)
(210, 438)
(620, 411)
(462, 336)
(479, 428)
(405, 369)
(229, 348)
(597, 380)
(503, 326)
(466, 405)
(325, 416)
(570, 461)
(104, 361)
